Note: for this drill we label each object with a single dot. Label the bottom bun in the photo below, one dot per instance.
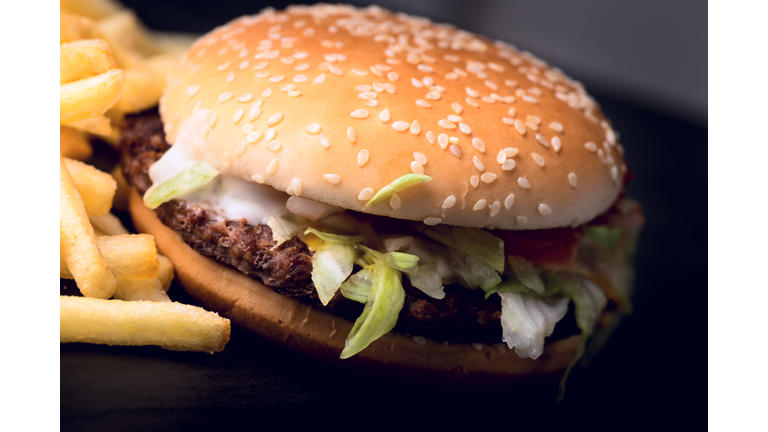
(313, 332)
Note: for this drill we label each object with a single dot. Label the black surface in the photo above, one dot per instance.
(652, 372)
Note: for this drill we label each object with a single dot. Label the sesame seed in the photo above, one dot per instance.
(360, 72)
(319, 79)
(474, 181)
(365, 194)
(246, 129)
(260, 65)
(508, 121)
(363, 88)
(425, 68)
(456, 151)
(520, 126)
(314, 128)
(555, 126)
(510, 83)
(432, 221)
(389, 88)
(367, 95)
(271, 134)
(556, 144)
(572, 180)
(225, 96)
(273, 146)
(420, 158)
(589, 145)
(214, 118)
(509, 201)
(610, 136)
(237, 116)
(378, 87)
(223, 66)
(615, 173)
(336, 70)
(457, 108)
(422, 103)
(258, 103)
(491, 85)
(254, 136)
(488, 99)
(302, 67)
(276, 79)
(544, 209)
(351, 135)
(446, 124)
(257, 178)
(300, 79)
(359, 114)
(433, 95)
(272, 167)
(266, 93)
(533, 119)
(523, 183)
(417, 168)
(394, 201)
(245, 98)
(384, 116)
(472, 102)
(230, 77)
(465, 129)
(332, 178)
(480, 205)
(452, 58)
(478, 164)
(275, 119)
(287, 60)
(240, 148)
(443, 140)
(538, 159)
(451, 76)
(301, 55)
(376, 71)
(416, 83)
(254, 114)
(288, 87)
(530, 99)
(449, 202)
(471, 92)
(372, 103)
(393, 76)
(383, 67)
(495, 208)
(415, 127)
(488, 177)
(362, 157)
(324, 142)
(430, 137)
(454, 140)
(522, 220)
(400, 126)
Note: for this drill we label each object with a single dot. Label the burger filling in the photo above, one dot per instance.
(445, 282)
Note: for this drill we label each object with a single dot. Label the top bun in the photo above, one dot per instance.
(332, 103)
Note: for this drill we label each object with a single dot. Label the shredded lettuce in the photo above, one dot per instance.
(194, 176)
(403, 262)
(332, 263)
(335, 238)
(526, 320)
(427, 279)
(480, 244)
(380, 313)
(471, 272)
(606, 236)
(396, 186)
(285, 225)
(358, 286)
(526, 273)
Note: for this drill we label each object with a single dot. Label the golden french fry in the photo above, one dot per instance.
(108, 224)
(83, 59)
(128, 256)
(129, 41)
(123, 190)
(173, 326)
(73, 27)
(142, 90)
(89, 97)
(95, 125)
(140, 289)
(74, 144)
(96, 188)
(165, 273)
(77, 242)
(96, 9)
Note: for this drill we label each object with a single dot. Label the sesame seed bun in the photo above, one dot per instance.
(333, 103)
(311, 331)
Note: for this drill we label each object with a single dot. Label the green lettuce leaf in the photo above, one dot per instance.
(427, 279)
(381, 311)
(285, 225)
(335, 238)
(358, 286)
(480, 244)
(194, 176)
(526, 273)
(471, 272)
(332, 264)
(396, 186)
(527, 319)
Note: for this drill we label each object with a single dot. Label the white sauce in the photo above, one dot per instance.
(226, 196)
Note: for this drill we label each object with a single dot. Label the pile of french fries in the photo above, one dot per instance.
(111, 66)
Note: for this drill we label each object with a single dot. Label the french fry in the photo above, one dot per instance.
(129, 41)
(95, 125)
(142, 90)
(140, 289)
(109, 224)
(74, 144)
(83, 59)
(73, 27)
(129, 256)
(96, 9)
(96, 188)
(173, 326)
(77, 242)
(89, 97)
(165, 273)
(123, 190)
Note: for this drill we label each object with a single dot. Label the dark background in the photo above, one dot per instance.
(645, 63)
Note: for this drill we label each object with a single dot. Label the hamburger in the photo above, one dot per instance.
(389, 194)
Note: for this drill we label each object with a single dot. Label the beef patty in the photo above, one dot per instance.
(463, 316)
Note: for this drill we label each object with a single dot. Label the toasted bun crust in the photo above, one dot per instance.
(318, 334)
(359, 97)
